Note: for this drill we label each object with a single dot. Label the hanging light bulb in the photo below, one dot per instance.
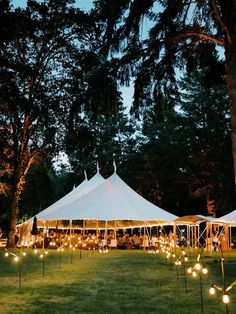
(41, 255)
(186, 259)
(6, 254)
(225, 298)
(212, 290)
(198, 266)
(16, 258)
(204, 270)
(194, 274)
(189, 270)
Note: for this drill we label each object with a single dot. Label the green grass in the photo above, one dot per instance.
(118, 282)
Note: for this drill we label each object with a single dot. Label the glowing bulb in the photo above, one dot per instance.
(183, 252)
(16, 258)
(6, 254)
(194, 274)
(185, 259)
(198, 266)
(41, 255)
(189, 270)
(35, 251)
(225, 298)
(204, 270)
(24, 253)
(212, 290)
(173, 255)
(46, 252)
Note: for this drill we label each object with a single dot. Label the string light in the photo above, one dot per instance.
(225, 298)
(194, 274)
(224, 289)
(205, 270)
(16, 258)
(198, 266)
(212, 290)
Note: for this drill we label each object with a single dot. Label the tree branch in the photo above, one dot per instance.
(203, 37)
(218, 17)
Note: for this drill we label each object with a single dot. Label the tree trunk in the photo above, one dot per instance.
(211, 208)
(13, 217)
(230, 54)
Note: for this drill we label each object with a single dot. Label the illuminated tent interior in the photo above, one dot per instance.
(194, 234)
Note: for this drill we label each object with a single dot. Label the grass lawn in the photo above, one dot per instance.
(119, 282)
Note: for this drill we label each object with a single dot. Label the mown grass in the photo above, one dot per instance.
(118, 282)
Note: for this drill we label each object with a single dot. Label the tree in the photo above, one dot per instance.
(97, 128)
(37, 43)
(178, 28)
(206, 136)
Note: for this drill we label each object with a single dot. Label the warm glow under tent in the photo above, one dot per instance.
(84, 188)
(111, 200)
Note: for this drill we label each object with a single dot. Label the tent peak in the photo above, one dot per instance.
(98, 169)
(114, 165)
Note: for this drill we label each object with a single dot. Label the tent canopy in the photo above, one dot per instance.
(84, 188)
(229, 218)
(111, 200)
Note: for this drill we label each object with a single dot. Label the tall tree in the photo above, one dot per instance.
(37, 43)
(97, 128)
(177, 28)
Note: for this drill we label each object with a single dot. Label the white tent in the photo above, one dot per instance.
(111, 200)
(229, 218)
(84, 188)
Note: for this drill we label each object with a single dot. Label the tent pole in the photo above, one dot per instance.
(188, 236)
(70, 231)
(198, 236)
(115, 236)
(105, 236)
(83, 227)
(43, 234)
(195, 235)
(97, 229)
(144, 237)
(174, 234)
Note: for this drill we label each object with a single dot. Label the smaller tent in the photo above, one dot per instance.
(229, 218)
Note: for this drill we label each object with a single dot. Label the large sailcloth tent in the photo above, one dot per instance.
(111, 200)
(84, 188)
